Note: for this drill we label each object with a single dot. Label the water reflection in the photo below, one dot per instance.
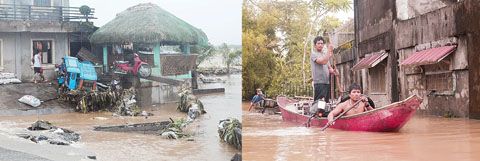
(267, 137)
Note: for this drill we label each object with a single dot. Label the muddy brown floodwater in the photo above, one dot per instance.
(267, 137)
(134, 146)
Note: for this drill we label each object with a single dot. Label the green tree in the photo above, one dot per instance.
(230, 56)
(85, 11)
(205, 52)
(274, 35)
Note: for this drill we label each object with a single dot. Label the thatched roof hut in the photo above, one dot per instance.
(148, 23)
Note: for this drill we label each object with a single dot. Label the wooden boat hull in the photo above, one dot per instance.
(391, 117)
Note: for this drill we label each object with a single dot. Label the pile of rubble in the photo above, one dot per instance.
(230, 131)
(44, 131)
(121, 102)
(190, 104)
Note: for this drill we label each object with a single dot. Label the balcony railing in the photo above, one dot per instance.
(41, 13)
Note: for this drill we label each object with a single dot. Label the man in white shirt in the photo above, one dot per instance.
(37, 67)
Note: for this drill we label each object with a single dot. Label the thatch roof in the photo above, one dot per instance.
(148, 23)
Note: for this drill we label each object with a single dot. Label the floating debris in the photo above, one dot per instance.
(88, 101)
(145, 128)
(121, 102)
(236, 157)
(175, 129)
(45, 131)
(127, 105)
(187, 100)
(230, 131)
(41, 125)
(167, 129)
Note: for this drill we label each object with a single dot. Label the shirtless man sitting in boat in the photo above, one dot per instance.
(355, 95)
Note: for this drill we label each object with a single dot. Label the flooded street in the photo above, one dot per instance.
(267, 137)
(206, 144)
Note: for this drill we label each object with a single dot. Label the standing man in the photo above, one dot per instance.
(321, 69)
(37, 67)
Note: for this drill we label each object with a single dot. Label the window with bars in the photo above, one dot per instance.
(377, 77)
(438, 77)
(43, 3)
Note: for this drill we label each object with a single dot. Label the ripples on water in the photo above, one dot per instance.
(267, 137)
(134, 146)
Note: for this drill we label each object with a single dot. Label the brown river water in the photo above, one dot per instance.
(267, 137)
(206, 144)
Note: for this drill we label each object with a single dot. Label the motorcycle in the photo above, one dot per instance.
(139, 68)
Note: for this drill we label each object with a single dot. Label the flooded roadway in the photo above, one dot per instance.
(135, 146)
(267, 137)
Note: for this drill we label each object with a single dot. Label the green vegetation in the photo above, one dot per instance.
(276, 37)
(230, 56)
(85, 11)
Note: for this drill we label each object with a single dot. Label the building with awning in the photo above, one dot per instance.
(439, 68)
(431, 51)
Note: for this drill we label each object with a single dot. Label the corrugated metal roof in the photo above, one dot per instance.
(429, 56)
(370, 60)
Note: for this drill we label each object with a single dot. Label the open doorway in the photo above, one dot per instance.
(46, 48)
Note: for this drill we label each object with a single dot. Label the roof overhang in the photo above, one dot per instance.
(371, 60)
(429, 56)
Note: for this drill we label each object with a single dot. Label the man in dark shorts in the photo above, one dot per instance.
(37, 67)
(321, 69)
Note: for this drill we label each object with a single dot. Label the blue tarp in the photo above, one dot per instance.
(71, 63)
(87, 71)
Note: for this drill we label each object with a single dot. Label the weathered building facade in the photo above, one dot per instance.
(427, 48)
(28, 26)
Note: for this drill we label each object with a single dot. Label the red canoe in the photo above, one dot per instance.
(391, 117)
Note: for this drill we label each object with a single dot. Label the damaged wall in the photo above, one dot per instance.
(374, 25)
(428, 24)
(435, 29)
(469, 11)
(450, 103)
(426, 28)
(375, 33)
(152, 92)
(411, 8)
(344, 62)
(17, 52)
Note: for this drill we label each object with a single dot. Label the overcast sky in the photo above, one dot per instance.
(221, 20)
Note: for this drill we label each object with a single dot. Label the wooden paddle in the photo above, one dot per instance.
(341, 114)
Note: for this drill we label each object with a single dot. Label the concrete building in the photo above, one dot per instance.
(27, 26)
(428, 48)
